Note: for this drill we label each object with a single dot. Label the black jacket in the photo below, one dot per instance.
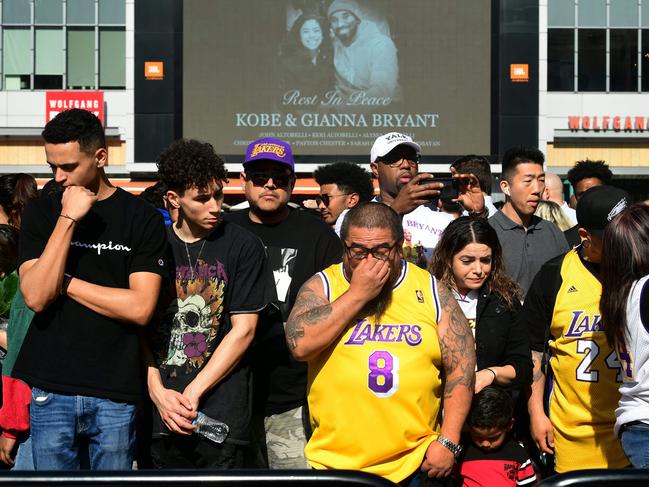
(499, 340)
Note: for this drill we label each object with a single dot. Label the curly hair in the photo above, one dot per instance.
(350, 178)
(16, 190)
(590, 169)
(492, 407)
(457, 235)
(188, 163)
(76, 125)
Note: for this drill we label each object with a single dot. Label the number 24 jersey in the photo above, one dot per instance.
(585, 370)
(374, 396)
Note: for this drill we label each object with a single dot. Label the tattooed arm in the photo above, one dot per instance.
(540, 425)
(315, 323)
(458, 360)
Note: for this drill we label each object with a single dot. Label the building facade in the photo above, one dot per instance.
(594, 86)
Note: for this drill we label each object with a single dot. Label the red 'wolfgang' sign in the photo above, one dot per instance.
(59, 101)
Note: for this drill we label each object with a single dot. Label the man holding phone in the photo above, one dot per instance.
(394, 160)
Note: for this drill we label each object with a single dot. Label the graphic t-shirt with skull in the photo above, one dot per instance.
(214, 278)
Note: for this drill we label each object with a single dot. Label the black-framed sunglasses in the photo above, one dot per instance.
(393, 158)
(280, 179)
(380, 252)
(325, 199)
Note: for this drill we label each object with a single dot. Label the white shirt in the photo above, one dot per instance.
(634, 390)
(339, 221)
(468, 305)
(569, 212)
(489, 204)
(425, 225)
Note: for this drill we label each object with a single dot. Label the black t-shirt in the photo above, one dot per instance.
(70, 348)
(216, 277)
(297, 248)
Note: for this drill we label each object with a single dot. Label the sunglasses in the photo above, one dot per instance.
(325, 199)
(280, 179)
(395, 160)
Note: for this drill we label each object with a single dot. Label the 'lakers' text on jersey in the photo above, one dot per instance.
(585, 373)
(374, 396)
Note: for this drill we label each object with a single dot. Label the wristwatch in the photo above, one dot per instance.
(454, 448)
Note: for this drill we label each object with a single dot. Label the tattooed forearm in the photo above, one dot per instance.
(457, 345)
(537, 363)
(309, 309)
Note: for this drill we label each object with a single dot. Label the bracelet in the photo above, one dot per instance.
(493, 372)
(65, 284)
(63, 215)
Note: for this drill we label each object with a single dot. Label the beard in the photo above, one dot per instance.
(379, 305)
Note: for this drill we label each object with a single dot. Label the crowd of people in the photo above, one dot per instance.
(387, 334)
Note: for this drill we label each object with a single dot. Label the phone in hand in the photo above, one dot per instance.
(450, 190)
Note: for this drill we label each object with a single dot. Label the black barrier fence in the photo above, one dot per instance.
(599, 478)
(182, 478)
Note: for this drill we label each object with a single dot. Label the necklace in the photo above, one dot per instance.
(189, 259)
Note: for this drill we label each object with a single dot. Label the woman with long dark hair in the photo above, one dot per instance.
(625, 317)
(468, 259)
(307, 57)
(15, 191)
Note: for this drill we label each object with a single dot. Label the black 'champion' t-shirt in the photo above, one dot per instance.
(69, 348)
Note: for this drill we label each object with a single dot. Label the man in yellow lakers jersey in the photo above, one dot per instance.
(561, 311)
(386, 345)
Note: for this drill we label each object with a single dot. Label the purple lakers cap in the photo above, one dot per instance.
(270, 150)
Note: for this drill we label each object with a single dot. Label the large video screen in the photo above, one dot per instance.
(329, 76)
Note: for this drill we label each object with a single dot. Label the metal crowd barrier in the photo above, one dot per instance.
(190, 478)
(627, 477)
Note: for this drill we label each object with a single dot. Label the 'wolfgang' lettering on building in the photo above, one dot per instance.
(99, 246)
(603, 123)
(368, 332)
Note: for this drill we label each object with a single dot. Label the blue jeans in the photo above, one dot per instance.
(635, 442)
(66, 429)
(24, 459)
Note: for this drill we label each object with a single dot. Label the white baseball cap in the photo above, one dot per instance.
(385, 143)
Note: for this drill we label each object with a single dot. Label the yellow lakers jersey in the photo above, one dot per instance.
(584, 397)
(374, 396)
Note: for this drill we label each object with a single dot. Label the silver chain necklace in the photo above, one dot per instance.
(189, 259)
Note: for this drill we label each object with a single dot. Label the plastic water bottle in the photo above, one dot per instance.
(210, 428)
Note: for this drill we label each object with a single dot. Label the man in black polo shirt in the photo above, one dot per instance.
(527, 240)
(91, 261)
(298, 246)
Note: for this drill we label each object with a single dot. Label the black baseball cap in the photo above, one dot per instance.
(599, 205)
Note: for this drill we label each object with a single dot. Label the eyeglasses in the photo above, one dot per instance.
(280, 179)
(380, 252)
(396, 160)
(325, 199)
